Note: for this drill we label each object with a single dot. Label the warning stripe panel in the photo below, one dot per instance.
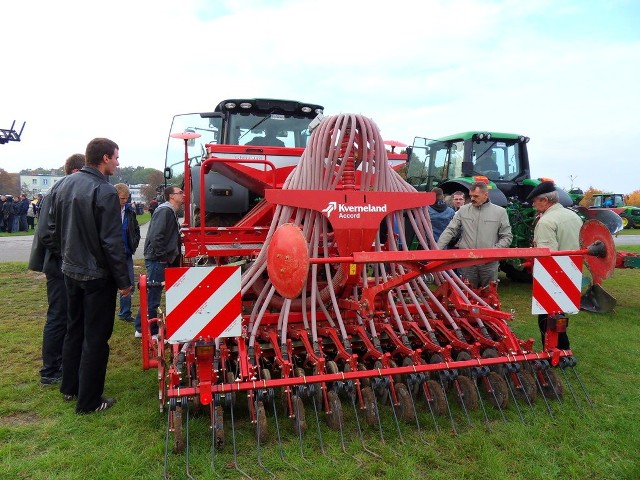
(203, 301)
(556, 284)
(195, 291)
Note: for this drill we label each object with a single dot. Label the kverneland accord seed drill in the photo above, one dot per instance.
(299, 300)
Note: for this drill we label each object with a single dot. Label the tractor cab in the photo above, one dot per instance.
(456, 161)
(247, 144)
(608, 200)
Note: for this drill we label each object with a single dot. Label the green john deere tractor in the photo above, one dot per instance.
(615, 202)
(454, 162)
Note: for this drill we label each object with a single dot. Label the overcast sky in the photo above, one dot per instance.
(565, 73)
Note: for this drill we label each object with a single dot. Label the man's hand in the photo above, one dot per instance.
(125, 292)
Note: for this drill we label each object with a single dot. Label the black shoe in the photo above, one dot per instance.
(46, 381)
(105, 404)
(127, 319)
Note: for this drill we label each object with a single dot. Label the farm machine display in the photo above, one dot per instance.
(501, 160)
(298, 298)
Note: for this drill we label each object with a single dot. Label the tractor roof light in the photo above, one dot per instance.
(230, 105)
(245, 105)
(319, 111)
(306, 109)
(487, 136)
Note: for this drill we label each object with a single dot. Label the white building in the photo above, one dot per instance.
(136, 195)
(35, 184)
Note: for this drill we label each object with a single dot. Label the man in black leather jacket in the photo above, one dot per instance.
(87, 232)
(47, 261)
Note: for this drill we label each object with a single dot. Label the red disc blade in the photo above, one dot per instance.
(600, 267)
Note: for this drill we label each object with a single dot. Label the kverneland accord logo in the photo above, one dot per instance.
(352, 211)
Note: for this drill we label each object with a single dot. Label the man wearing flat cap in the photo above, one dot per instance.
(558, 228)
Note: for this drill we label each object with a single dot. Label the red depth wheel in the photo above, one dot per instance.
(288, 260)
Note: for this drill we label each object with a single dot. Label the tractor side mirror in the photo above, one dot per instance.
(168, 173)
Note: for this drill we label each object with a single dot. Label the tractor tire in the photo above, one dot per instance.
(627, 222)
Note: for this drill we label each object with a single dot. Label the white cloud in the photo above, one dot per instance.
(418, 68)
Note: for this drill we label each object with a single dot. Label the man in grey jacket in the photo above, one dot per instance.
(161, 250)
(482, 225)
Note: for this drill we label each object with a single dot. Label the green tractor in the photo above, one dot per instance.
(454, 162)
(615, 202)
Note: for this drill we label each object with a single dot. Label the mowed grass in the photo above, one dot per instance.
(41, 437)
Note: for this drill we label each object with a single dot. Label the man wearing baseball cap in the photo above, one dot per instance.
(558, 228)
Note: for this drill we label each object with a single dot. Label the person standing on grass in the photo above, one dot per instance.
(131, 239)
(88, 232)
(161, 250)
(558, 228)
(481, 224)
(46, 259)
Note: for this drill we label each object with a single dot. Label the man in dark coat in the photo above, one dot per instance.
(48, 261)
(87, 231)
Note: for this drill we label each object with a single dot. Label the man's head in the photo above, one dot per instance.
(174, 195)
(458, 199)
(103, 154)
(478, 193)
(74, 163)
(123, 193)
(439, 194)
(543, 196)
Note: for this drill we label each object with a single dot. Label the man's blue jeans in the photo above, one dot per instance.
(155, 282)
(125, 302)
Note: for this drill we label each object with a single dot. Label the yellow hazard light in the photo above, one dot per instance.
(205, 350)
(481, 178)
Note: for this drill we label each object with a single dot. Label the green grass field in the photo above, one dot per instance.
(42, 438)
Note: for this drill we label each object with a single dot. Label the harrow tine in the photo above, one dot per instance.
(524, 391)
(453, 423)
(377, 412)
(315, 410)
(415, 416)
(280, 449)
(584, 390)
(355, 411)
(425, 390)
(342, 444)
(569, 386)
(495, 398)
(513, 397)
(166, 448)
(235, 450)
(460, 394)
(296, 407)
(545, 372)
(395, 415)
(185, 406)
(544, 397)
(484, 410)
(260, 463)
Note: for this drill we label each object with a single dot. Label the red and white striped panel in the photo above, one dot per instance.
(556, 284)
(203, 302)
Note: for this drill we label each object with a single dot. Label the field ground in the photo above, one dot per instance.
(41, 437)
